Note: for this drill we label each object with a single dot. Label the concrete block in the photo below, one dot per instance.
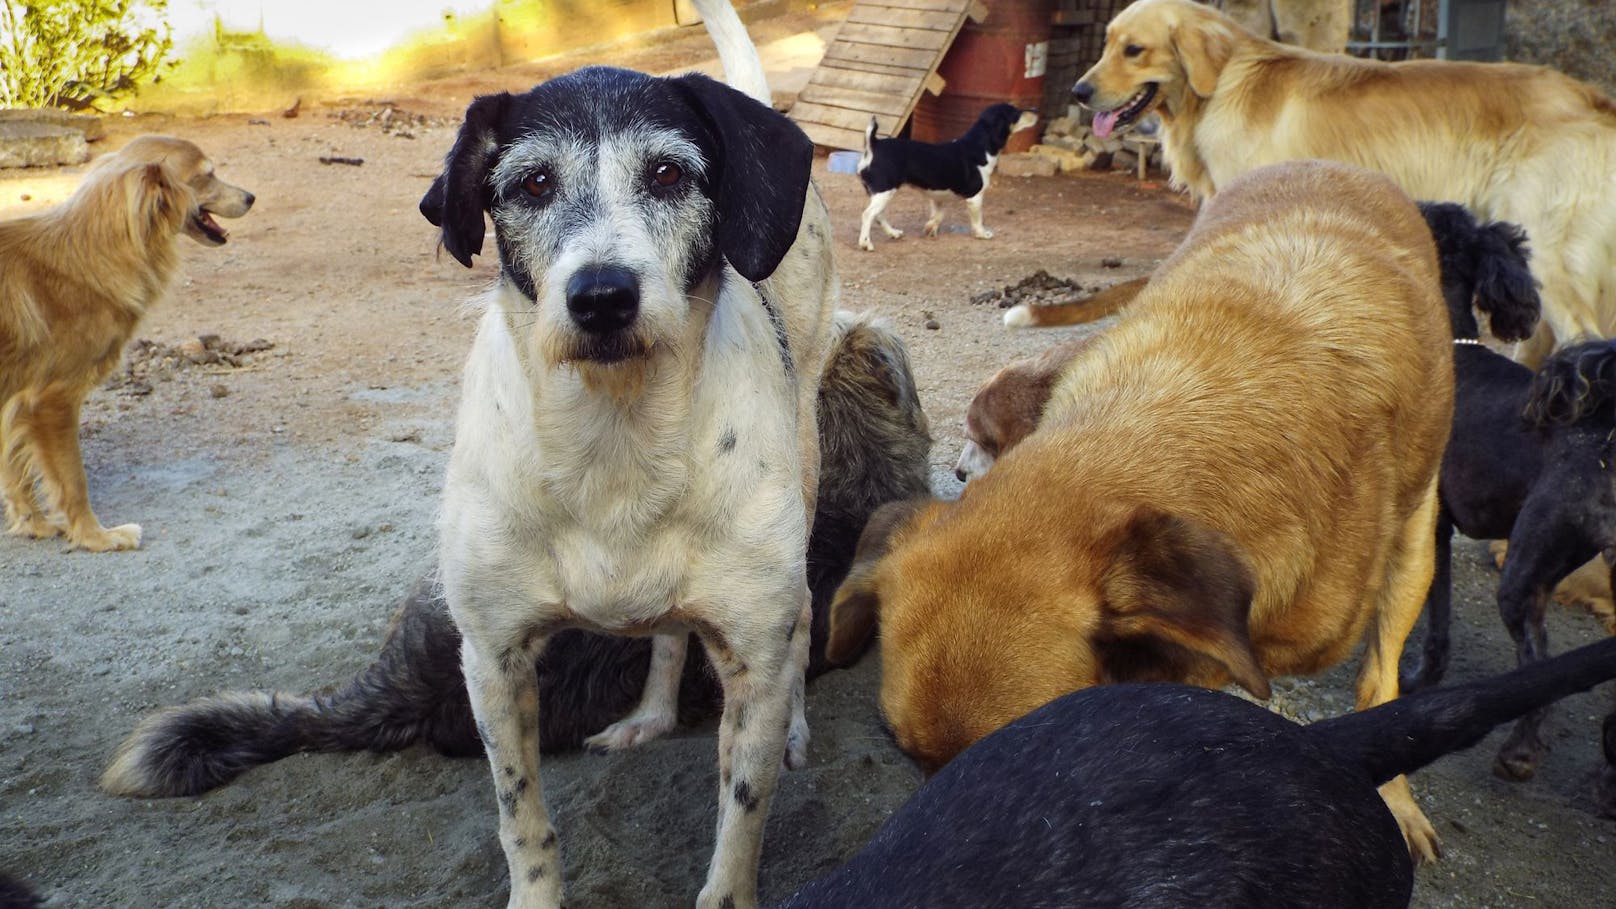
(24, 144)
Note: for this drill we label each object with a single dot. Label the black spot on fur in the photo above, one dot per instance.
(728, 902)
(549, 841)
(521, 842)
(534, 873)
(509, 770)
(521, 785)
(726, 443)
(507, 802)
(745, 796)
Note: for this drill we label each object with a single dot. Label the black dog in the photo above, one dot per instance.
(14, 894)
(962, 167)
(1529, 459)
(1155, 796)
(874, 442)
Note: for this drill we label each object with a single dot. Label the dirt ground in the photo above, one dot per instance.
(288, 496)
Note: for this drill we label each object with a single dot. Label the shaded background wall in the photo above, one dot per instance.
(1577, 37)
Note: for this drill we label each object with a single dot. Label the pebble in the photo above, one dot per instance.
(933, 325)
(23, 729)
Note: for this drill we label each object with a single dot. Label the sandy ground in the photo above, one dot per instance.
(288, 501)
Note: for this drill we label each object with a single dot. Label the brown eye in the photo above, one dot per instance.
(539, 183)
(666, 174)
(1132, 50)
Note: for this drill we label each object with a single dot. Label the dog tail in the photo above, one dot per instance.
(743, 68)
(1410, 732)
(412, 692)
(1081, 312)
(1576, 384)
(1485, 266)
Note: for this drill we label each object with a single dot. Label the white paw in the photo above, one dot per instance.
(893, 232)
(864, 243)
(796, 756)
(124, 536)
(630, 731)
(983, 234)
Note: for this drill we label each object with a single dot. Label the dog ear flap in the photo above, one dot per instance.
(155, 197)
(762, 175)
(460, 195)
(1505, 288)
(1181, 582)
(1203, 48)
(856, 607)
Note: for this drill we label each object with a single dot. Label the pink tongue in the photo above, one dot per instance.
(1104, 123)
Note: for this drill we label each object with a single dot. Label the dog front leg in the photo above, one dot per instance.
(758, 675)
(55, 435)
(658, 710)
(23, 515)
(504, 693)
(973, 206)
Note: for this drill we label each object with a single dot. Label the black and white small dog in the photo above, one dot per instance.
(962, 167)
(1156, 795)
(1530, 458)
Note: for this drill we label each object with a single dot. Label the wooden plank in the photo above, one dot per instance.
(849, 55)
(977, 11)
(910, 38)
(952, 6)
(809, 112)
(933, 20)
(834, 136)
(833, 77)
(936, 84)
(853, 99)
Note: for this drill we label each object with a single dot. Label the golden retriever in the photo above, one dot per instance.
(1237, 480)
(74, 284)
(1511, 142)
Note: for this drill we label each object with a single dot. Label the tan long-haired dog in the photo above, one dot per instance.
(1236, 481)
(74, 283)
(1510, 142)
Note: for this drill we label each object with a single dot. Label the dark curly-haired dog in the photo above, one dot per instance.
(1530, 459)
(874, 441)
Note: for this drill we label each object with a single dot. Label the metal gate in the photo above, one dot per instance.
(1444, 29)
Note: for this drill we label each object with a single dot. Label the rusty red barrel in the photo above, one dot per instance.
(1001, 58)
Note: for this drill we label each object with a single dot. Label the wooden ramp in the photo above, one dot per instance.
(884, 56)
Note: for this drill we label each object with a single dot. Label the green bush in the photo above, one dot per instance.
(75, 53)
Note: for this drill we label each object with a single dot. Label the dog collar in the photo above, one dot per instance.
(1475, 342)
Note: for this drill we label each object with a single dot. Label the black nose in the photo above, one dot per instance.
(1083, 91)
(962, 475)
(603, 299)
(251, 199)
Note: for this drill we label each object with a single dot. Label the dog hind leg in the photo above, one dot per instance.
(1409, 570)
(878, 204)
(934, 215)
(23, 515)
(55, 432)
(658, 710)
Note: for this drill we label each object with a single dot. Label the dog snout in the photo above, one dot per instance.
(1083, 91)
(603, 299)
(248, 200)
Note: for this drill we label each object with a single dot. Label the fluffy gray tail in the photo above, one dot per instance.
(873, 446)
(1410, 732)
(1575, 384)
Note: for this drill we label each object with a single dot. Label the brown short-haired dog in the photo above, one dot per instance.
(1008, 406)
(1238, 480)
(74, 284)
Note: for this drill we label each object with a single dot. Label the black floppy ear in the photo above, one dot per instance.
(459, 196)
(762, 175)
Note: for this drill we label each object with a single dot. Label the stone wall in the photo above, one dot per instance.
(1577, 37)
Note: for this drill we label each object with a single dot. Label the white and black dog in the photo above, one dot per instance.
(636, 449)
(962, 167)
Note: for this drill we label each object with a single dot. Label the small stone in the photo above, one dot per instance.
(1111, 262)
(219, 391)
(23, 729)
(933, 325)
(359, 533)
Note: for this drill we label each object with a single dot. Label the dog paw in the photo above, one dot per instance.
(983, 234)
(107, 539)
(1517, 762)
(865, 244)
(34, 526)
(796, 756)
(1500, 551)
(894, 233)
(1423, 845)
(628, 732)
